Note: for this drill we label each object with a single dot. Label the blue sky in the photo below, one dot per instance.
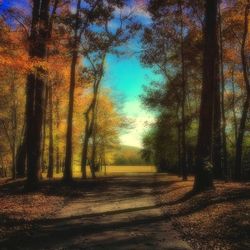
(127, 76)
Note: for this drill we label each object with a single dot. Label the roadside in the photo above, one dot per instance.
(217, 219)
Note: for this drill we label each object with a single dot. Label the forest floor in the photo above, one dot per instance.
(216, 219)
(153, 211)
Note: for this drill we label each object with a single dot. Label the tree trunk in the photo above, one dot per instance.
(179, 148)
(203, 171)
(242, 126)
(234, 108)
(51, 139)
(85, 146)
(21, 158)
(14, 127)
(35, 91)
(67, 176)
(57, 138)
(44, 129)
(222, 80)
(68, 157)
(183, 103)
(93, 154)
(216, 147)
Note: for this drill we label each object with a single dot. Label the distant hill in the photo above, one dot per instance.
(128, 155)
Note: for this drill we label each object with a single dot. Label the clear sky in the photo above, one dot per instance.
(127, 76)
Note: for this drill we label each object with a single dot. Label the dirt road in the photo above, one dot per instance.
(123, 213)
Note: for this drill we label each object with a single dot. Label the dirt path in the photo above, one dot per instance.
(122, 214)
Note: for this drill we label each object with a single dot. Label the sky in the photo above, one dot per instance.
(126, 75)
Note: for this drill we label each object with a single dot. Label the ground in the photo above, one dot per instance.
(147, 211)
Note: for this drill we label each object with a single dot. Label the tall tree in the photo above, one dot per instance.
(203, 171)
(51, 135)
(223, 116)
(75, 47)
(245, 111)
(35, 89)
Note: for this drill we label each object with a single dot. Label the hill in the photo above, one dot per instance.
(128, 155)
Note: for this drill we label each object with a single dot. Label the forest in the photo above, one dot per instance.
(61, 125)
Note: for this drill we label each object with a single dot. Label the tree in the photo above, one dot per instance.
(203, 171)
(245, 111)
(97, 46)
(171, 45)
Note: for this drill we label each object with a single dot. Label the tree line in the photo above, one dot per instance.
(53, 60)
(200, 49)
(54, 56)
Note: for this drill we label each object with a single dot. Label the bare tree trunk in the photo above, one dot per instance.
(44, 128)
(217, 135)
(234, 108)
(183, 104)
(203, 171)
(222, 80)
(93, 154)
(68, 157)
(85, 145)
(21, 158)
(179, 149)
(35, 91)
(57, 138)
(242, 126)
(217, 148)
(51, 139)
(14, 127)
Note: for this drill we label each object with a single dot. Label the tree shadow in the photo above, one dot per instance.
(54, 232)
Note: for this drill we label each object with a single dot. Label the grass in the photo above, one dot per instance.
(113, 171)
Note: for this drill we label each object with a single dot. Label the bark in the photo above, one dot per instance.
(87, 135)
(21, 159)
(179, 149)
(93, 155)
(44, 129)
(68, 157)
(14, 128)
(57, 138)
(217, 141)
(35, 91)
(234, 108)
(242, 125)
(51, 139)
(222, 80)
(203, 171)
(89, 127)
(183, 104)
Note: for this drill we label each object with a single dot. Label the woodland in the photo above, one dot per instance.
(57, 118)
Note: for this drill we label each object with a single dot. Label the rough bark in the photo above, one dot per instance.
(183, 104)
(21, 159)
(51, 139)
(242, 125)
(223, 117)
(68, 157)
(217, 140)
(35, 90)
(203, 171)
(57, 138)
(44, 129)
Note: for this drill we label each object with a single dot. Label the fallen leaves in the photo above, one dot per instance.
(217, 219)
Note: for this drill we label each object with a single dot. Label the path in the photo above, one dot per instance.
(123, 215)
